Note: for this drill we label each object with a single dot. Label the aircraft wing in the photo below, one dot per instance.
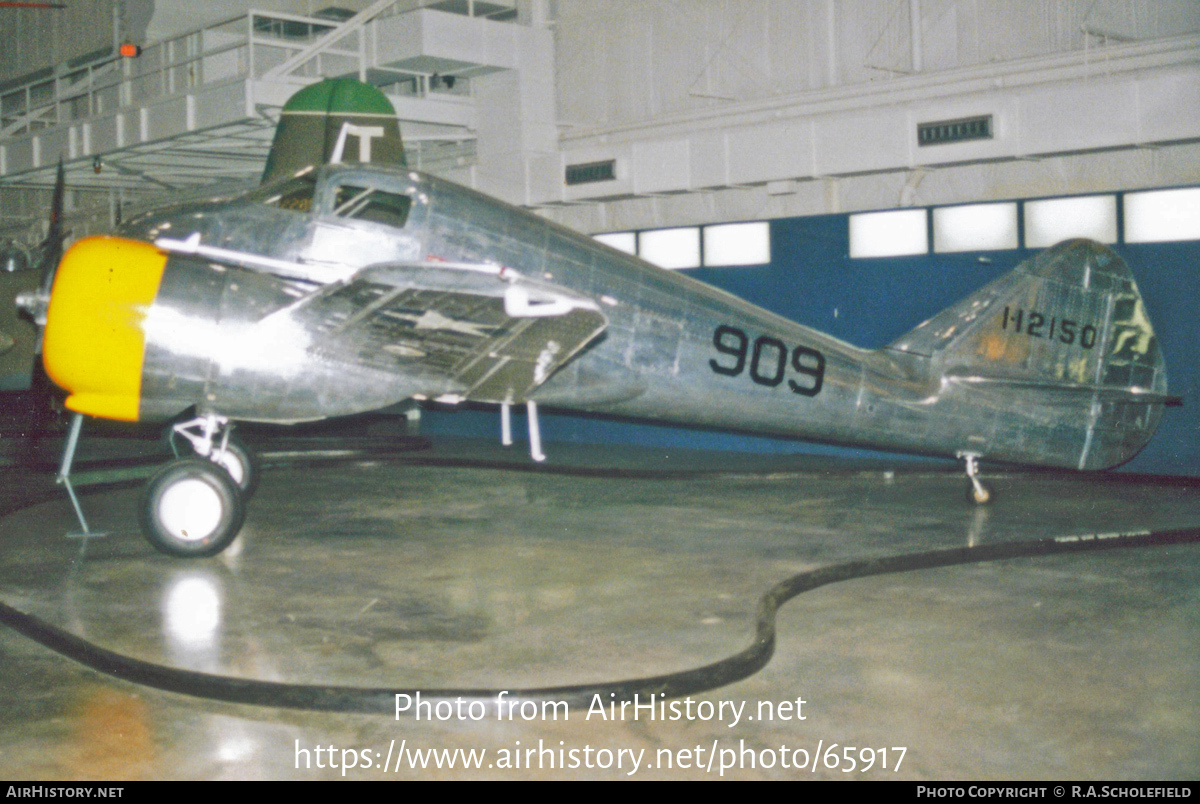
(485, 332)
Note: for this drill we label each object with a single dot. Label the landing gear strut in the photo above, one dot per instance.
(977, 492)
(230, 453)
(195, 506)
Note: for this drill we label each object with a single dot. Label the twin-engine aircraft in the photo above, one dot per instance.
(347, 283)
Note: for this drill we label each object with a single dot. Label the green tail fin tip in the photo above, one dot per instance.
(335, 120)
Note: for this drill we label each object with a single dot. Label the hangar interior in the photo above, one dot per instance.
(853, 165)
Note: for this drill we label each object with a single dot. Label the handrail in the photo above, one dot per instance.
(44, 100)
(346, 28)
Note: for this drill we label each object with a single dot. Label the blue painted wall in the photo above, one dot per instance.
(871, 302)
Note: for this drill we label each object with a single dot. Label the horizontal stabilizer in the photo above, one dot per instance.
(1113, 393)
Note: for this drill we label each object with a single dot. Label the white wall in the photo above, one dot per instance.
(42, 37)
(1065, 175)
(671, 89)
(625, 61)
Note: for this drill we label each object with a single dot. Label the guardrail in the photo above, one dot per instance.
(249, 46)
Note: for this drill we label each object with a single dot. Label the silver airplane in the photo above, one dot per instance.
(334, 289)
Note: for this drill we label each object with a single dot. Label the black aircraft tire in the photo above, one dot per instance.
(191, 509)
(241, 464)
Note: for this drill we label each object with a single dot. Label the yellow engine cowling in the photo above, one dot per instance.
(94, 344)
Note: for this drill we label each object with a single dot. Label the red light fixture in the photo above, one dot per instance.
(130, 51)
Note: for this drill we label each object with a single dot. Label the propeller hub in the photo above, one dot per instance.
(33, 304)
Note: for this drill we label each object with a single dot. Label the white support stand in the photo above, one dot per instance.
(535, 433)
(506, 424)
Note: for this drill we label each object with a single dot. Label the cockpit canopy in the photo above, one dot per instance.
(367, 195)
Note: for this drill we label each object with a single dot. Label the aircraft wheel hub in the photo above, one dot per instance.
(191, 509)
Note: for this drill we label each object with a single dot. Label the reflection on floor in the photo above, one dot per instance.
(457, 566)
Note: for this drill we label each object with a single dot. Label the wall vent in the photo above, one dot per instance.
(591, 172)
(943, 132)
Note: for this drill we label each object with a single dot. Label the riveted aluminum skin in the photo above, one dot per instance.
(1054, 364)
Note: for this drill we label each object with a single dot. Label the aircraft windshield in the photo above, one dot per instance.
(371, 204)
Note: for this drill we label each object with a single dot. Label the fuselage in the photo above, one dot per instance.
(674, 349)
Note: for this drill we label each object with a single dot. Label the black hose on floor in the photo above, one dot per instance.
(701, 679)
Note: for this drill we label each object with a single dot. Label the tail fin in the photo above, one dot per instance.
(1071, 324)
(336, 120)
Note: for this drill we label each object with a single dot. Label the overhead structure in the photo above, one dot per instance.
(608, 103)
(200, 108)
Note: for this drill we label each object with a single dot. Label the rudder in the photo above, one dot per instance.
(1068, 327)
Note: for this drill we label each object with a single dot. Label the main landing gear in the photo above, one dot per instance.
(191, 508)
(229, 452)
(977, 492)
(195, 506)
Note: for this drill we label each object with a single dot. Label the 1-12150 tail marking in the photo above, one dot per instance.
(1035, 327)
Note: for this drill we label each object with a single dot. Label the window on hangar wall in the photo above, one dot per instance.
(621, 241)
(1159, 216)
(1054, 220)
(1151, 216)
(724, 245)
(898, 233)
(671, 248)
(737, 244)
(975, 227)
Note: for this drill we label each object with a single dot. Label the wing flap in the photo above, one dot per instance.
(480, 332)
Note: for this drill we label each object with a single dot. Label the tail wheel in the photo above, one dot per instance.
(191, 508)
(240, 463)
(979, 493)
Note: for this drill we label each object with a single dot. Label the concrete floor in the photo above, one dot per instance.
(456, 566)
